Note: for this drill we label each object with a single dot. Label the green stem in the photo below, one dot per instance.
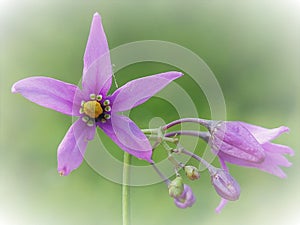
(125, 189)
(163, 138)
(150, 131)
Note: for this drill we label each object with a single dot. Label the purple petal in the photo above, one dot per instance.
(223, 201)
(140, 90)
(125, 133)
(277, 148)
(223, 164)
(221, 205)
(270, 165)
(72, 148)
(235, 140)
(98, 78)
(50, 93)
(225, 185)
(276, 154)
(264, 135)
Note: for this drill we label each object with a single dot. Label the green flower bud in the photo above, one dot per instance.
(192, 172)
(176, 187)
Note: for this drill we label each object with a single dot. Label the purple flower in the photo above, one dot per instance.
(92, 104)
(248, 145)
(225, 185)
(186, 199)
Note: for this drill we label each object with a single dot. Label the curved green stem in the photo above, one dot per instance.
(125, 189)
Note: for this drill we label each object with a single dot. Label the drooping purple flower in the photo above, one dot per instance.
(236, 141)
(186, 199)
(249, 145)
(92, 104)
(225, 185)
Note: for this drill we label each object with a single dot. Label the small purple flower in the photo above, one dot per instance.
(249, 145)
(92, 104)
(186, 199)
(225, 185)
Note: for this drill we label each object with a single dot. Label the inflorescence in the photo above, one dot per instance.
(234, 142)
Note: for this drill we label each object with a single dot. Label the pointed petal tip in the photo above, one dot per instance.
(13, 89)
(148, 159)
(173, 75)
(96, 15)
(63, 172)
(180, 74)
(177, 73)
(282, 176)
(284, 129)
(291, 153)
(221, 205)
(146, 155)
(218, 211)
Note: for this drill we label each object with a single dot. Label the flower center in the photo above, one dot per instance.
(93, 109)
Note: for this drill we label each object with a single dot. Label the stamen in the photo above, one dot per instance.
(107, 116)
(106, 102)
(103, 120)
(92, 96)
(107, 108)
(82, 103)
(99, 97)
(90, 123)
(85, 119)
(81, 111)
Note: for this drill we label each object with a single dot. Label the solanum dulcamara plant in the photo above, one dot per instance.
(232, 142)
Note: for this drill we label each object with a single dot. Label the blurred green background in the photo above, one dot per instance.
(253, 49)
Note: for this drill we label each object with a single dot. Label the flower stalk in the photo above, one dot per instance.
(126, 189)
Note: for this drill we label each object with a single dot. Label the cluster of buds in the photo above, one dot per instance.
(232, 142)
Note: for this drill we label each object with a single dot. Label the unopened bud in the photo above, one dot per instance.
(186, 199)
(192, 172)
(225, 185)
(176, 187)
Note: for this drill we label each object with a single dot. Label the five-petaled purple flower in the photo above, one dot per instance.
(248, 145)
(92, 104)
